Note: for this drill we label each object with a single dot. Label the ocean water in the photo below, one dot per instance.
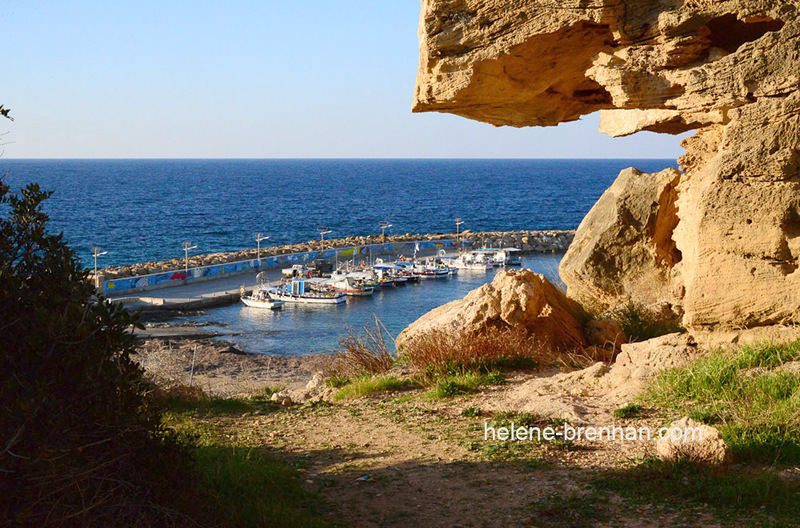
(140, 210)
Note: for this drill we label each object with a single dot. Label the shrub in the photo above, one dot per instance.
(362, 354)
(439, 352)
(640, 323)
(368, 386)
(80, 443)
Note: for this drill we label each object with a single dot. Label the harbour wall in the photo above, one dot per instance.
(126, 280)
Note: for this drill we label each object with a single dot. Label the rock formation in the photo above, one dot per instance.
(720, 240)
(514, 298)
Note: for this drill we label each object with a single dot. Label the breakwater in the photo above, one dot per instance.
(152, 275)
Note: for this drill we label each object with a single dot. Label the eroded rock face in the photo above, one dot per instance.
(730, 223)
(514, 298)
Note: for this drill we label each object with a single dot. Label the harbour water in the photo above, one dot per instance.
(300, 329)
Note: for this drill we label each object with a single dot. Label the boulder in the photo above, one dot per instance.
(695, 442)
(515, 298)
(721, 239)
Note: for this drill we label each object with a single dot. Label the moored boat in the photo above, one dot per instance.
(299, 292)
(260, 299)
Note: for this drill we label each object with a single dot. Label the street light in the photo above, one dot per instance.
(259, 238)
(384, 226)
(458, 242)
(96, 252)
(322, 232)
(186, 247)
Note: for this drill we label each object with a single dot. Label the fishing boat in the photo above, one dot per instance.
(508, 257)
(472, 261)
(298, 291)
(260, 299)
(356, 284)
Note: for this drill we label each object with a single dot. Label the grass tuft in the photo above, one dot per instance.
(364, 353)
(745, 394)
(639, 323)
(368, 386)
(633, 410)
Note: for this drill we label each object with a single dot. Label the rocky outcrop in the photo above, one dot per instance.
(518, 298)
(623, 248)
(725, 242)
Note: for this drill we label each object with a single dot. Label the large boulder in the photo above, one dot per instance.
(623, 248)
(515, 298)
(725, 245)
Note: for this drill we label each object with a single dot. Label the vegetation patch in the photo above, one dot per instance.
(361, 354)
(368, 386)
(751, 496)
(630, 411)
(442, 352)
(639, 323)
(448, 386)
(746, 394)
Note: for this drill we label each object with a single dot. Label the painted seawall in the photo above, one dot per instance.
(140, 283)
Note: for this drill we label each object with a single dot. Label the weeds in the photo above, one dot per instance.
(745, 393)
(458, 384)
(443, 352)
(633, 410)
(364, 353)
(639, 323)
(367, 386)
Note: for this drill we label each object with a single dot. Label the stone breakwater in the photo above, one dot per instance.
(528, 241)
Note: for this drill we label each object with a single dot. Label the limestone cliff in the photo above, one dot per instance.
(720, 240)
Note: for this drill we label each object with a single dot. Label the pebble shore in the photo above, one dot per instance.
(527, 241)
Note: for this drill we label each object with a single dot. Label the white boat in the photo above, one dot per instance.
(260, 299)
(472, 261)
(354, 284)
(299, 292)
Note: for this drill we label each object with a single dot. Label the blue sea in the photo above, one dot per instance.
(140, 210)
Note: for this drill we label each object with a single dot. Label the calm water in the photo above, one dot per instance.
(141, 210)
(302, 329)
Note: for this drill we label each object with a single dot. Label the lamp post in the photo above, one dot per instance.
(259, 238)
(186, 247)
(458, 242)
(96, 252)
(322, 232)
(384, 226)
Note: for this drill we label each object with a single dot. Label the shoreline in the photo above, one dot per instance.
(542, 241)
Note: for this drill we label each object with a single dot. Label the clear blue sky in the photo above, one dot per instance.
(258, 79)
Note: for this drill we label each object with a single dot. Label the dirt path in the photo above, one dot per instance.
(409, 461)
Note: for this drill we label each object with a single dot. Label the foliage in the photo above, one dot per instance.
(81, 443)
(441, 352)
(746, 394)
(632, 410)
(639, 323)
(368, 385)
(362, 354)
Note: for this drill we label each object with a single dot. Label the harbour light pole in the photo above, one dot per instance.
(259, 238)
(186, 247)
(96, 252)
(458, 242)
(384, 226)
(322, 232)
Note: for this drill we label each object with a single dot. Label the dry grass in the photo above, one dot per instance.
(445, 352)
(361, 354)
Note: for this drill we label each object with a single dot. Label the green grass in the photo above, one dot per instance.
(755, 405)
(337, 382)
(750, 496)
(249, 487)
(368, 386)
(471, 412)
(448, 386)
(633, 410)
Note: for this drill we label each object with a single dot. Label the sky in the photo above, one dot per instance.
(246, 79)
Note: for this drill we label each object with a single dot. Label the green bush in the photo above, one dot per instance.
(80, 443)
(641, 324)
